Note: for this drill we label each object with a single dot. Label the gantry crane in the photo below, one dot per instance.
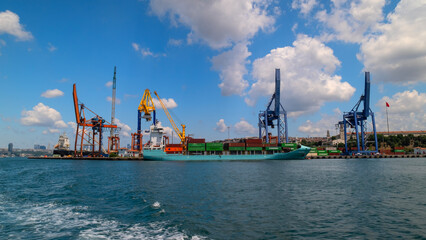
(88, 137)
(147, 107)
(278, 113)
(181, 134)
(357, 120)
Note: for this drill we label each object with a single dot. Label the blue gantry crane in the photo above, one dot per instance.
(358, 121)
(275, 113)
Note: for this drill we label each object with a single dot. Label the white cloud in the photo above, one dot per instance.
(396, 52)
(221, 126)
(407, 111)
(319, 128)
(175, 42)
(169, 103)
(52, 93)
(108, 84)
(231, 65)
(117, 100)
(307, 76)
(146, 52)
(125, 129)
(218, 23)
(135, 46)
(51, 48)
(350, 20)
(9, 24)
(42, 115)
(305, 6)
(243, 127)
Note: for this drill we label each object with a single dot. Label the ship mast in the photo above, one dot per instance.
(113, 102)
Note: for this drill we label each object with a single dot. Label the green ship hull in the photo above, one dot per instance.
(160, 155)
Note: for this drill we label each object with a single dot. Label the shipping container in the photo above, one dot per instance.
(196, 140)
(254, 148)
(254, 145)
(236, 144)
(322, 154)
(290, 145)
(254, 140)
(192, 147)
(237, 148)
(272, 148)
(174, 145)
(334, 151)
(396, 150)
(399, 148)
(321, 151)
(214, 146)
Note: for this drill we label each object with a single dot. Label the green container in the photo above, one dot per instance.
(334, 151)
(272, 148)
(396, 150)
(322, 154)
(195, 147)
(313, 150)
(290, 145)
(214, 146)
(237, 148)
(321, 151)
(254, 149)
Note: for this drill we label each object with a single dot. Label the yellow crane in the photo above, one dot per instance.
(147, 105)
(181, 134)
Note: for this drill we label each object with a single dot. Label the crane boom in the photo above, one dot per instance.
(178, 132)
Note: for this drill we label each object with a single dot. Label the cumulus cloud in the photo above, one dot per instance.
(307, 76)
(396, 52)
(44, 116)
(407, 111)
(108, 84)
(348, 21)
(232, 68)
(169, 103)
(305, 6)
(9, 24)
(117, 100)
(217, 23)
(146, 52)
(52, 93)
(221, 126)
(244, 128)
(125, 130)
(319, 128)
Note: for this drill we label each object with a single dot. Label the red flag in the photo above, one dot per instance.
(387, 104)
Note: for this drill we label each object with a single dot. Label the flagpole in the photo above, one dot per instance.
(387, 118)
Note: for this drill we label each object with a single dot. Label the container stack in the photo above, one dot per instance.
(322, 152)
(214, 147)
(254, 144)
(271, 147)
(235, 146)
(399, 151)
(196, 144)
(288, 147)
(334, 152)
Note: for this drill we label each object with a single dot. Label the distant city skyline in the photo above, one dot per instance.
(212, 61)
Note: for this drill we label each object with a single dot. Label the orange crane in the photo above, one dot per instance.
(88, 137)
(181, 134)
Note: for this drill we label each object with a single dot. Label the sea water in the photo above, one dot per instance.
(305, 199)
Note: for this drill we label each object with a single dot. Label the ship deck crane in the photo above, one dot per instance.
(181, 134)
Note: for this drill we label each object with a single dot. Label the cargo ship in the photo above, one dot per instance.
(157, 149)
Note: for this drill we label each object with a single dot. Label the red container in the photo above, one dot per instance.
(333, 154)
(254, 145)
(236, 145)
(253, 141)
(270, 145)
(173, 145)
(196, 140)
(399, 148)
(320, 148)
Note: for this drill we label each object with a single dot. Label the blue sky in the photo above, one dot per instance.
(213, 61)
